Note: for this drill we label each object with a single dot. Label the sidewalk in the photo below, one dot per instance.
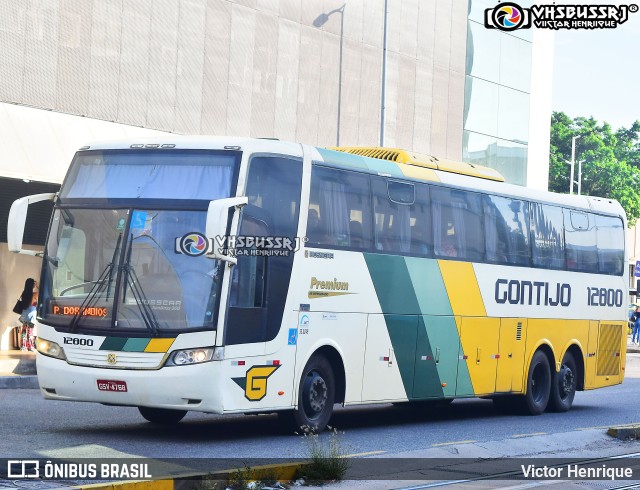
(18, 370)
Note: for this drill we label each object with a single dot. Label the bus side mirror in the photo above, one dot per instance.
(217, 221)
(17, 220)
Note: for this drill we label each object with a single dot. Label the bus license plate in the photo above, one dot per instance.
(110, 385)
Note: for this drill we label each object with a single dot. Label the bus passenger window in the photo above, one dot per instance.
(339, 210)
(457, 224)
(610, 240)
(402, 222)
(547, 236)
(580, 237)
(506, 225)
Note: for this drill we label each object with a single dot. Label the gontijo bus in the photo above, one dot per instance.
(247, 275)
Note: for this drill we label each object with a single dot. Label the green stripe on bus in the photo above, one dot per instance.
(428, 285)
(345, 160)
(442, 333)
(113, 343)
(136, 345)
(392, 283)
(397, 298)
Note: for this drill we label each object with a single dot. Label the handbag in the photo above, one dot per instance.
(17, 309)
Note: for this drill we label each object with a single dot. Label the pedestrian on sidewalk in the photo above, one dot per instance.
(28, 301)
(635, 328)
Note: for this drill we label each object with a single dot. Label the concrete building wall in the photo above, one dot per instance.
(244, 67)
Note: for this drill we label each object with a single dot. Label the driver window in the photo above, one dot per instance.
(247, 283)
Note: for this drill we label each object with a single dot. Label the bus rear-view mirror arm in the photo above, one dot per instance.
(18, 219)
(217, 221)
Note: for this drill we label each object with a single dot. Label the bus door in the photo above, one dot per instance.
(264, 248)
(590, 356)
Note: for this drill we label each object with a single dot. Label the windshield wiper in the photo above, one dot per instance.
(98, 286)
(131, 278)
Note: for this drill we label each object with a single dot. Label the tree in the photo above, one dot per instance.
(611, 166)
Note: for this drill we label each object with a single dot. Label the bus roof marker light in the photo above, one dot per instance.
(231, 147)
(137, 145)
(152, 145)
(84, 148)
(167, 145)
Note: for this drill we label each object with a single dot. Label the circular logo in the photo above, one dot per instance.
(508, 16)
(194, 244)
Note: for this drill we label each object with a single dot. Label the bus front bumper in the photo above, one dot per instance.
(177, 387)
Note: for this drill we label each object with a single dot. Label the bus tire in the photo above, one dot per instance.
(316, 395)
(163, 416)
(563, 385)
(538, 385)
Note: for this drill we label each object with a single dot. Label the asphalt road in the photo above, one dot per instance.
(33, 427)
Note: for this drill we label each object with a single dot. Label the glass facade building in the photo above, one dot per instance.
(497, 95)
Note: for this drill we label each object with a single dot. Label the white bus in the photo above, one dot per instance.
(246, 275)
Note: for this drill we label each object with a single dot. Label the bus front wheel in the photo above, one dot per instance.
(538, 385)
(162, 416)
(316, 396)
(563, 385)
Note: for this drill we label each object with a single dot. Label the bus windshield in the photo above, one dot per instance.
(138, 264)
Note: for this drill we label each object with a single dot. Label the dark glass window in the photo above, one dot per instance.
(402, 221)
(547, 235)
(457, 224)
(580, 238)
(273, 190)
(610, 240)
(507, 230)
(339, 210)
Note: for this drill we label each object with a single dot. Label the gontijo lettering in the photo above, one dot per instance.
(536, 293)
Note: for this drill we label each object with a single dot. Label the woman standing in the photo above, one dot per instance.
(28, 300)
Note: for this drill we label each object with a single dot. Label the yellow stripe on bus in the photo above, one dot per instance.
(414, 172)
(462, 288)
(159, 345)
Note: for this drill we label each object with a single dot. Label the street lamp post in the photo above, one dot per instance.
(580, 162)
(384, 76)
(573, 159)
(319, 22)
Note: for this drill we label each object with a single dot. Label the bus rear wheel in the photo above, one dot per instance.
(162, 416)
(538, 385)
(563, 385)
(316, 396)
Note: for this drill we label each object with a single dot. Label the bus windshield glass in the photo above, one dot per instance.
(126, 250)
(150, 174)
(129, 269)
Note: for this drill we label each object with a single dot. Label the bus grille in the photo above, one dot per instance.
(609, 342)
(123, 360)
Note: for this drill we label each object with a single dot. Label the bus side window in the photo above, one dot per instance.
(506, 225)
(339, 210)
(457, 224)
(401, 217)
(610, 241)
(580, 238)
(547, 236)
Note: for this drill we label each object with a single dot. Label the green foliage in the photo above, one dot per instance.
(611, 166)
(328, 461)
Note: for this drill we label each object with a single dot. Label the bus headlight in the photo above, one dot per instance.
(191, 356)
(51, 349)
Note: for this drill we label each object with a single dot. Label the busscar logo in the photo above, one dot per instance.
(509, 16)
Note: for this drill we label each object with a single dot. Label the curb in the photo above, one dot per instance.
(284, 472)
(29, 382)
(625, 432)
